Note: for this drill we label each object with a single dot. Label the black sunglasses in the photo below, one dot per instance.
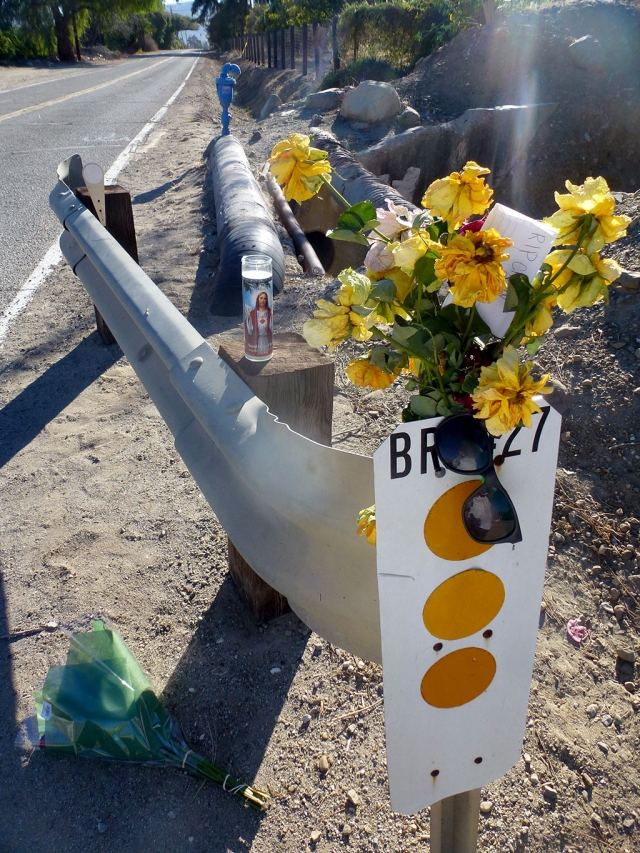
(464, 446)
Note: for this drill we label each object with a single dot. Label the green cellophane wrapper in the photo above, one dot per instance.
(101, 705)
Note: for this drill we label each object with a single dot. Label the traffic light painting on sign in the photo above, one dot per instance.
(459, 617)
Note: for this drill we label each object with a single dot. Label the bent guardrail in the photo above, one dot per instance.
(288, 504)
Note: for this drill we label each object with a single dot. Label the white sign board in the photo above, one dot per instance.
(532, 242)
(459, 620)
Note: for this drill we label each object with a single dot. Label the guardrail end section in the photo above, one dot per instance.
(63, 202)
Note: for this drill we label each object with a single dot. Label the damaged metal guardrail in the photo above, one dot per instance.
(289, 505)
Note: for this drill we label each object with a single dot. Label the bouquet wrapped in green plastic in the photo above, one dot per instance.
(101, 705)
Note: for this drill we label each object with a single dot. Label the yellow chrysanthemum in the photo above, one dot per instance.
(298, 168)
(367, 375)
(367, 523)
(542, 321)
(335, 321)
(584, 281)
(472, 263)
(460, 195)
(505, 391)
(594, 198)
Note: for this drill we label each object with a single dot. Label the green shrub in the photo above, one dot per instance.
(356, 72)
(397, 32)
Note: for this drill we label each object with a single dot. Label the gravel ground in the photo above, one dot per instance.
(101, 518)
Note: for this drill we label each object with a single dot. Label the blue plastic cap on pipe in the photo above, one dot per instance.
(225, 86)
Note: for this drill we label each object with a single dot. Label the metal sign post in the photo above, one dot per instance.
(459, 620)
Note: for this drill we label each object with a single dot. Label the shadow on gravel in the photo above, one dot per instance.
(226, 692)
(152, 195)
(40, 402)
(7, 696)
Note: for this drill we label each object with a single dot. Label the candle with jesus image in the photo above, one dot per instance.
(257, 288)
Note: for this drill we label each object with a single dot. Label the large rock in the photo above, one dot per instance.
(586, 53)
(372, 102)
(327, 99)
(409, 118)
(272, 103)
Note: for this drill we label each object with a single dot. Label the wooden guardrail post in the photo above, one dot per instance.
(120, 224)
(297, 386)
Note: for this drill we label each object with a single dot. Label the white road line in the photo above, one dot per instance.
(53, 255)
(50, 103)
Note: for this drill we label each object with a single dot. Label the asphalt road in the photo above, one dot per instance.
(94, 111)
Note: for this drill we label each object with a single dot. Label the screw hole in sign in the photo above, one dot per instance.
(435, 773)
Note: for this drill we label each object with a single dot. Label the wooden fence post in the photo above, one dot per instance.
(316, 48)
(297, 386)
(292, 33)
(304, 50)
(334, 40)
(119, 214)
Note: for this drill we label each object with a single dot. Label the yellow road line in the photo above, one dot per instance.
(81, 92)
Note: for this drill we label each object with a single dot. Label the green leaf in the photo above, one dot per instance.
(348, 236)
(370, 225)
(424, 270)
(424, 407)
(443, 409)
(357, 216)
(383, 290)
(402, 334)
(511, 299)
(379, 356)
(534, 344)
(411, 385)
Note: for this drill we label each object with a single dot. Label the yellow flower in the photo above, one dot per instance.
(409, 252)
(594, 198)
(367, 523)
(472, 263)
(335, 321)
(298, 168)
(542, 321)
(505, 391)
(367, 375)
(584, 281)
(460, 195)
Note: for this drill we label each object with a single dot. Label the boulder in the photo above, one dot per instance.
(586, 54)
(273, 101)
(408, 185)
(327, 99)
(372, 102)
(409, 118)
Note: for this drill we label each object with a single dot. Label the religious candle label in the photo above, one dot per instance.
(257, 297)
(459, 618)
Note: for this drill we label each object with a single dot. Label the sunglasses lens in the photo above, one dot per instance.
(488, 516)
(464, 445)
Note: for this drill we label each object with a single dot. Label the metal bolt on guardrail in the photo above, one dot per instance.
(225, 86)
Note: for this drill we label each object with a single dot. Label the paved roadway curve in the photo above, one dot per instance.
(42, 124)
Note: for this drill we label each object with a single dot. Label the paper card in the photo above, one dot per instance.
(94, 180)
(532, 242)
(459, 620)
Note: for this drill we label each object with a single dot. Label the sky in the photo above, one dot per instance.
(184, 8)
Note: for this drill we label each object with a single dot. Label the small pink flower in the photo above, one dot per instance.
(379, 258)
(576, 631)
(394, 220)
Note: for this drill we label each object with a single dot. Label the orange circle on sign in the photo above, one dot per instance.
(444, 530)
(458, 678)
(463, 604)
